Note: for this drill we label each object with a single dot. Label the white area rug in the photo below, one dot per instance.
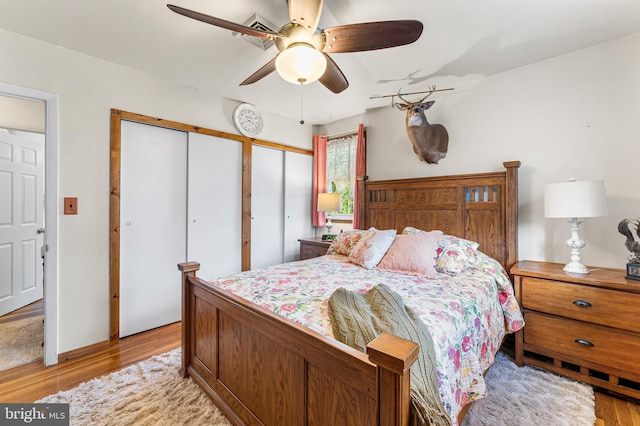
(153, 393)
(526, 396)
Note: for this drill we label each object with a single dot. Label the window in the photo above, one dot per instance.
(341, 166)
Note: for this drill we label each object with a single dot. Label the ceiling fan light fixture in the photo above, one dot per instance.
(300, 63)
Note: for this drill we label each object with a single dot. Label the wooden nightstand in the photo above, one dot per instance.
(313, 247)
(582, 326)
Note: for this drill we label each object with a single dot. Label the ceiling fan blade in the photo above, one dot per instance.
(305, 12)
(223, 23)
(333, 78)
(266, 69)
(371, 36)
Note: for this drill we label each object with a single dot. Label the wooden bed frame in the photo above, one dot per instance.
(262, 369)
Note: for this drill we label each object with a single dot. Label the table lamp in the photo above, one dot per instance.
(575, 199)
(328, 202)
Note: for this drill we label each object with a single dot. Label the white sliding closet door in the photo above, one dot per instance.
(297, 202)
(267, 207)
(153, 207)
(215, 205)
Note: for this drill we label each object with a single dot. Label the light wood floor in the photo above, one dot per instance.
(35, 308)
(33, 381)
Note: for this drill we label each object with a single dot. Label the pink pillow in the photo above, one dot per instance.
(413, 254)
(372, 246)
(453, 252)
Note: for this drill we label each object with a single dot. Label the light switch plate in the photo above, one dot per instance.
(70, 205)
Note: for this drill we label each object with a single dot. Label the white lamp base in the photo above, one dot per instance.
(329, 225)
(575, 243)
(576, 268)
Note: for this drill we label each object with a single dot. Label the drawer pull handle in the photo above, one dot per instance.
(582, 303)
(584, 342)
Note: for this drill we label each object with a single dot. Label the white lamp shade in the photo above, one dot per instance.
(586, 198)
(300, 63)
(328, 202)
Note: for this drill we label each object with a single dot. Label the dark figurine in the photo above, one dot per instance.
(632, 243)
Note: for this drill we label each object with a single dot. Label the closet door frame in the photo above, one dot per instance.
(114, 203)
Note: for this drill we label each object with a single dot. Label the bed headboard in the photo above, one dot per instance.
(481, 207)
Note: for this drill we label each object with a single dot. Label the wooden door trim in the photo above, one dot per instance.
(247, 156)
(114, 202)
(114, 228)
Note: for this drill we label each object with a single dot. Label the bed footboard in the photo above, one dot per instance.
(261, 369)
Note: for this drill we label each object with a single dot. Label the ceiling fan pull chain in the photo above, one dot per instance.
(301, 102)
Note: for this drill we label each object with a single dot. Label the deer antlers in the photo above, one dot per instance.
(431, 91)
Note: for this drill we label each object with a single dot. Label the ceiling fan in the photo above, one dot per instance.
(303, 47)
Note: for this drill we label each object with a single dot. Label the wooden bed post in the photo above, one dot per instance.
(188, 270)
(393, 356)
(511, 210)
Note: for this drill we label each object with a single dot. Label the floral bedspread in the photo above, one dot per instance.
(468, 314)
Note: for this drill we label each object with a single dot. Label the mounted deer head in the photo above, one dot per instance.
(430, 141)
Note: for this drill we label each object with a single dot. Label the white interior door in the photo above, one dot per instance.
(21, 219)
(153, 205)
(267, 210)
(298, 184)
(215, 205)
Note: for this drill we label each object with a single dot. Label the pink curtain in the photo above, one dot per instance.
(361, 170)
(319, 177)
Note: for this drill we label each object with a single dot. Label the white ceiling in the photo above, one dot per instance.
(463, 40)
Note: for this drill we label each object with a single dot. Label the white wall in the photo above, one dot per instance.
(88, 88)
(577, 115)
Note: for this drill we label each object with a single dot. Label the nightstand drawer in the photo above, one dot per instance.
(597, 305)
(313, 247)
(585, 341)
(308, 251)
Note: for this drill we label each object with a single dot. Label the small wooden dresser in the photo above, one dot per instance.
(582, 326)
(313, 247)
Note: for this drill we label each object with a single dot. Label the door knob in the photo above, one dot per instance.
(40, 231)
